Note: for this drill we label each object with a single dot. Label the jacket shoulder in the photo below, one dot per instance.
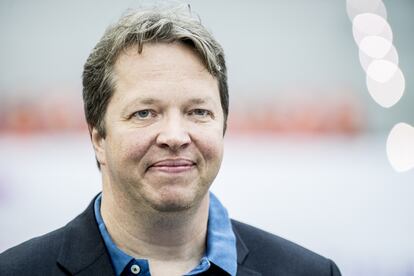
(273, 255)
(34, 255)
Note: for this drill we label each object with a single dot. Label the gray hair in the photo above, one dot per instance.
(136, 28)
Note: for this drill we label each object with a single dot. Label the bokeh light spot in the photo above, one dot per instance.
(366, 60)
(400, 147)
(375, 46)
(369, 24)
(385, 82)
(355, 7)
(382, 70)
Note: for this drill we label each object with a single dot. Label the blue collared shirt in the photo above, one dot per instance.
(221, 245)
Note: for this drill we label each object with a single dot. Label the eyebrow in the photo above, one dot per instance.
(152, 101)
(139, 101)
(199, 100)
(146, 101)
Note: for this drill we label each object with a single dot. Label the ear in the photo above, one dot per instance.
(98, 143)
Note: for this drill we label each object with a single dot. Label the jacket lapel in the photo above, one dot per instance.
(242, 255)
(83, 251)
(244, 271)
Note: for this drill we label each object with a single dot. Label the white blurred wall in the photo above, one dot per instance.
(336, 196)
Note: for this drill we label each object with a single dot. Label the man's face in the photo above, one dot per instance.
(164, 128)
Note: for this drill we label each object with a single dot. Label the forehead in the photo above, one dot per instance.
(162, 68)
(157, 59)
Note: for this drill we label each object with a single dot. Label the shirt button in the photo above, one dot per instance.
(135, 269)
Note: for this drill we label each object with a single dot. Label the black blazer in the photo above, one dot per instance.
(78, 249)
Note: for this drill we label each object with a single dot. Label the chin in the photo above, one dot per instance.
(175, 200)
(171, 206)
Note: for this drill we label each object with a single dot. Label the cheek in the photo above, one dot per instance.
(211, 146)
(133, 146)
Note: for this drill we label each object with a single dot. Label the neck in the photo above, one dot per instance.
(142, 232)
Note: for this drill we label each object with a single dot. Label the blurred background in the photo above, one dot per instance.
(305, 151)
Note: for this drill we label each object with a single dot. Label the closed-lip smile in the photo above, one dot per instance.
(176, 165)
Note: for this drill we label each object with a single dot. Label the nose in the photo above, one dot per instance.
(173, 134)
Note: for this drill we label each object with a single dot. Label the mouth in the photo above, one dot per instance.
(172, 165)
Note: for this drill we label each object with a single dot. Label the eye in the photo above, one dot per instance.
(144, 114)
(200, 112)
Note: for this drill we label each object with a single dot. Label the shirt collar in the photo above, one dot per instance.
(118, 257)
(221, 241)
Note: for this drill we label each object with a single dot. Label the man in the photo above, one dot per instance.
(156, 103)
